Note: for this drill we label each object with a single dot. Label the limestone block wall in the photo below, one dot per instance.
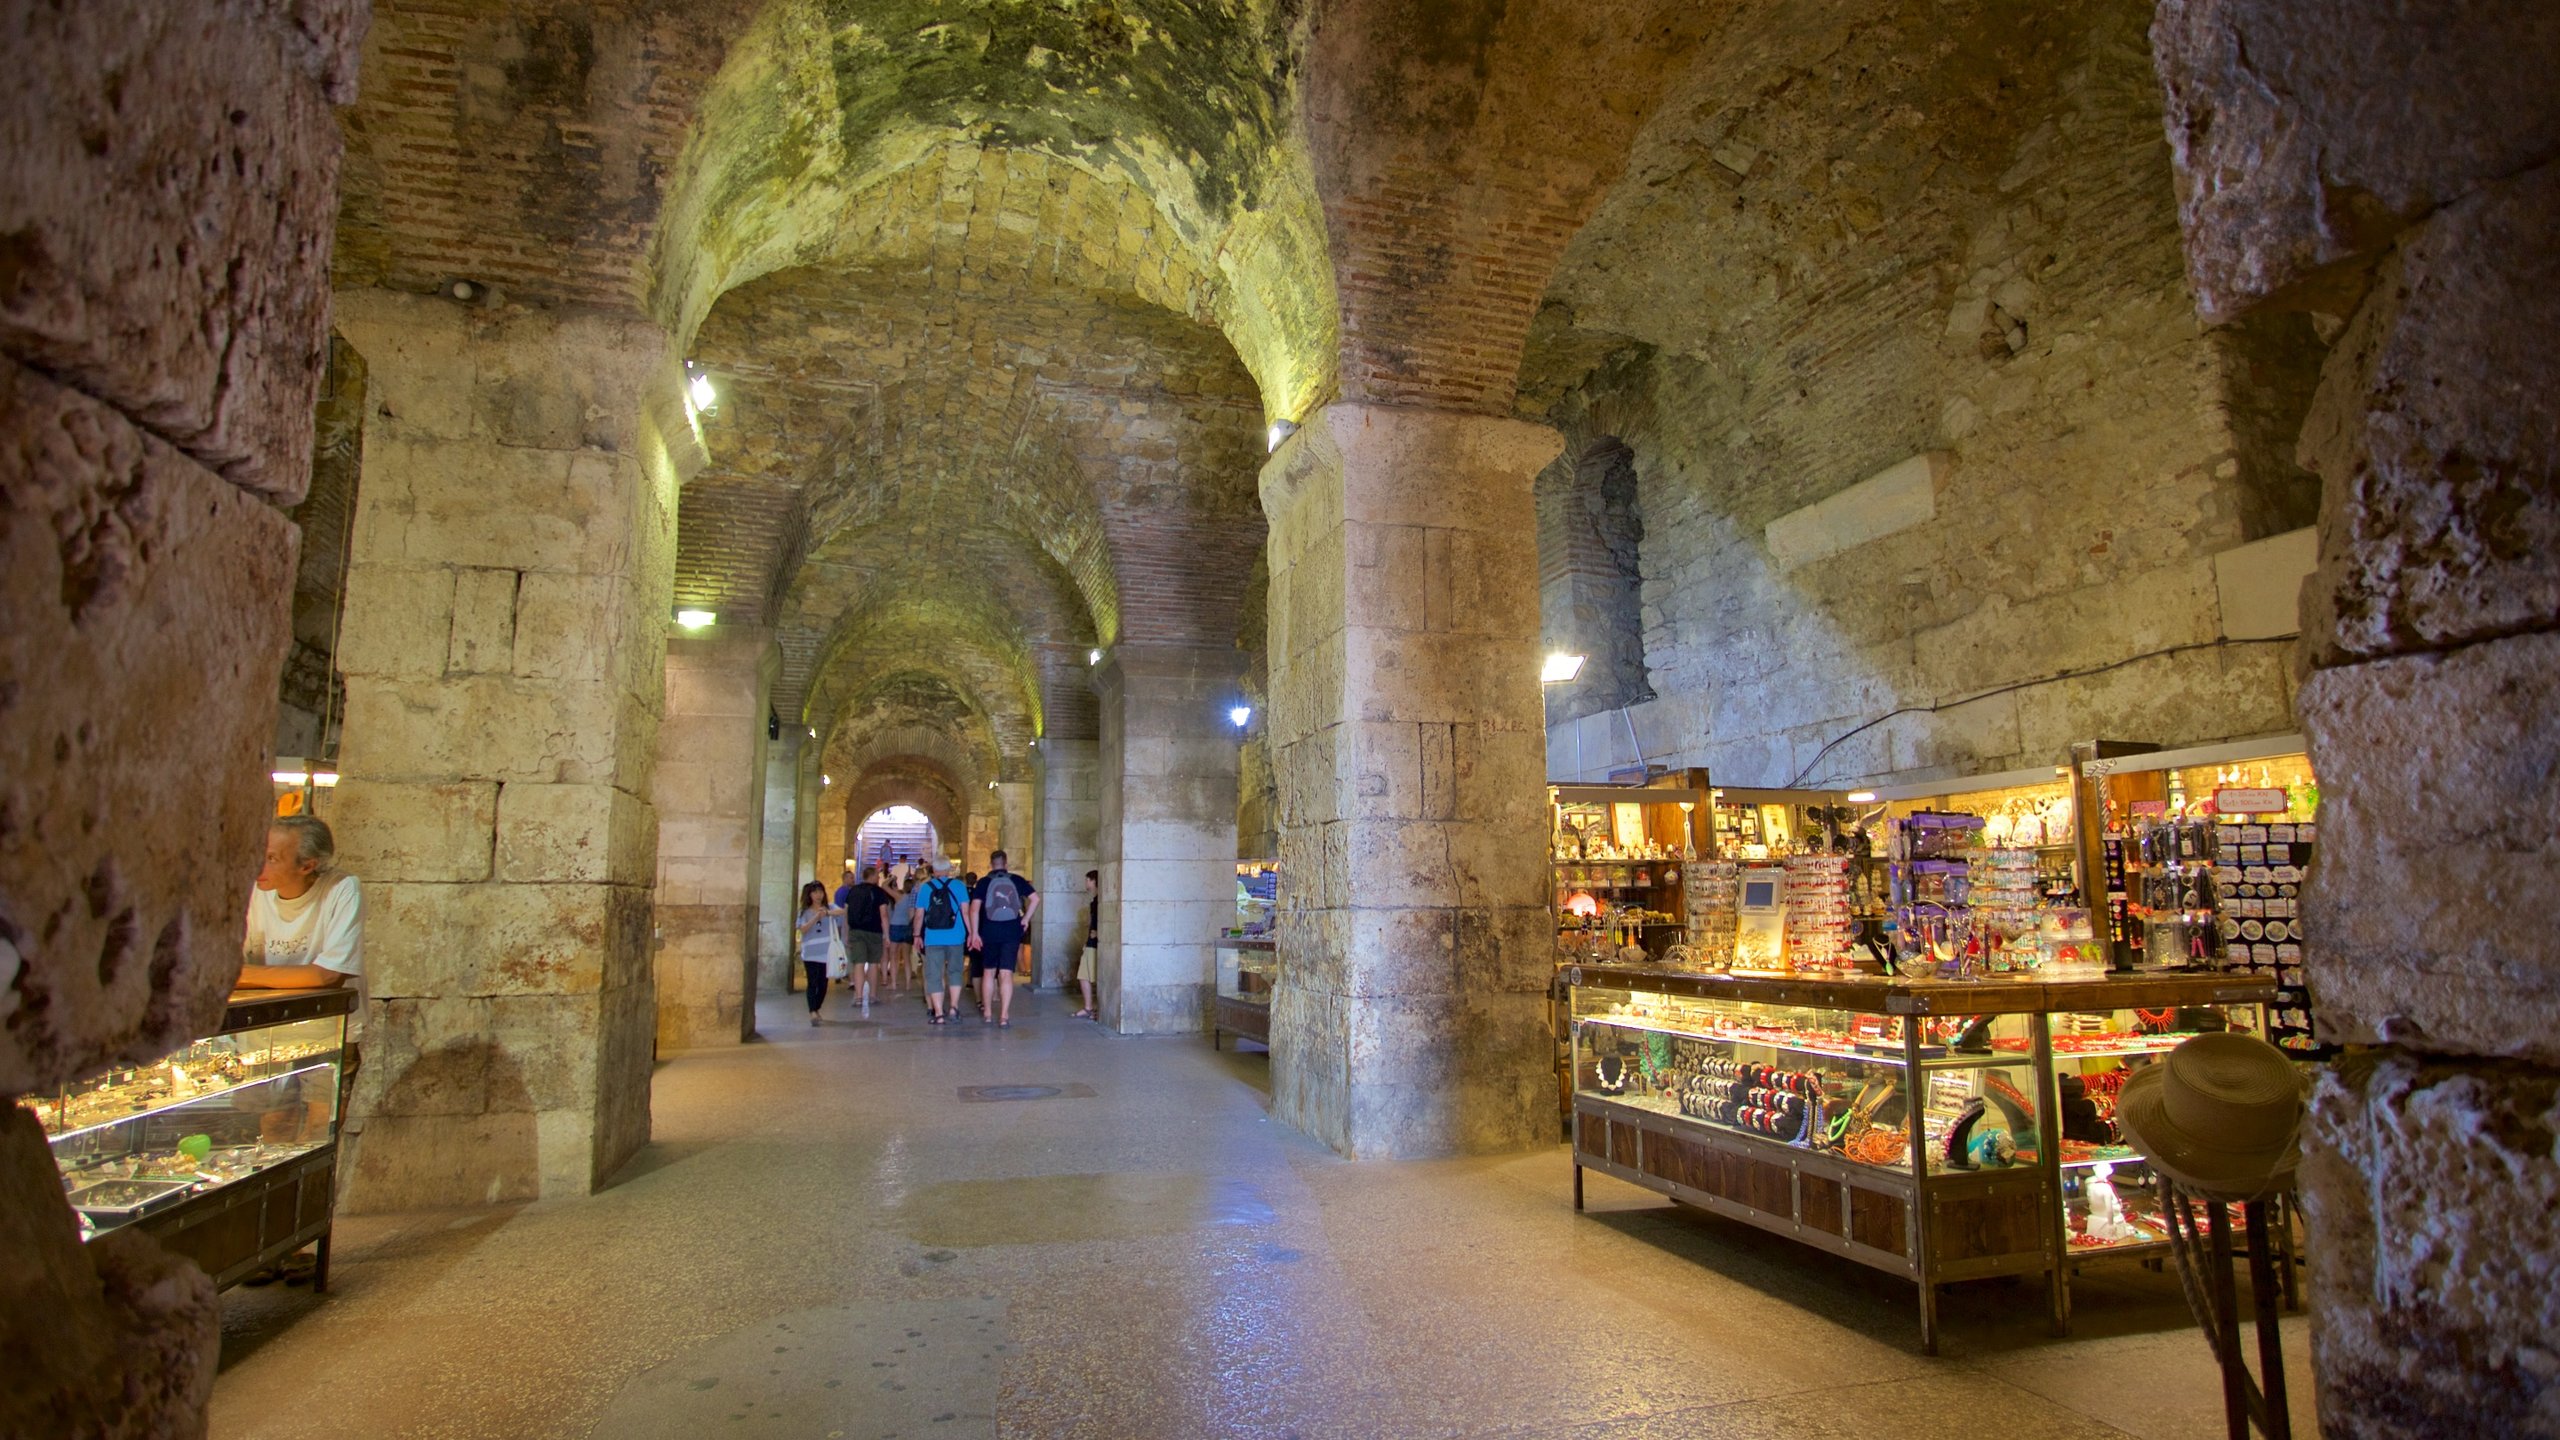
(708, 788)
(504, 648)
(1987, 297)
(170, 179)
(2403, 172)
(1070, 819)
(779, 866)
(1405, 721)
(1166, 830)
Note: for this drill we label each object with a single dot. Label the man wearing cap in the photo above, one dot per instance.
(941, 919)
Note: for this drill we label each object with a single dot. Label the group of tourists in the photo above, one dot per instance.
(891, 923)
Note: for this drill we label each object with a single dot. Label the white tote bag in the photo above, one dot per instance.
(839, 948)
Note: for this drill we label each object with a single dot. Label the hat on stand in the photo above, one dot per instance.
(2222, 1116)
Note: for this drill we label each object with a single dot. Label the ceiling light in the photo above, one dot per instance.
(696, 619)
(1559, 669)
(1240, 715)
(1862, 797)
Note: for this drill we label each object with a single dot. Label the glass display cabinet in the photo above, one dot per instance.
(226, 1151)
(1908, 1125)
(1248, 968)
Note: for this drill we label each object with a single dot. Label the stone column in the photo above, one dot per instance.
(1070, 816)
(168, 195)
(1407, 731)
(2399, 170)
(504, 641)
(779, 877)
(709, 789)
(835, 834)
(1166, 829)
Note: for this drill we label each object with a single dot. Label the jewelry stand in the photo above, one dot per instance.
(2204, 1256)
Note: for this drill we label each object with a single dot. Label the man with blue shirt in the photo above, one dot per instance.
(942, 908)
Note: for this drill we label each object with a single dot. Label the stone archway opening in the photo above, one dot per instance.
(893, 831)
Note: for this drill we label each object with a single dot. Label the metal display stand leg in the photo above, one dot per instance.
(1577, 1185)
(2204, 1254)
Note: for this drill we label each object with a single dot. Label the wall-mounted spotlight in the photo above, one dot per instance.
(1093, 657)
(698, 389)
(1559, 669)
(1280, 430)
(1240, 716)
(696, 619)
(826, 779)
(813, 732)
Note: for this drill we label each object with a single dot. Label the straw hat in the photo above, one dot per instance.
(2222, 1116)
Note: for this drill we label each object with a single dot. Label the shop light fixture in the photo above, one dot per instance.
(1241, 715)
(322, 778)
(697, 619)
(1560, 669)
(1862, 797)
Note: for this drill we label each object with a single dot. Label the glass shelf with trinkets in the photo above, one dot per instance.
(1789, 1102)
(224, 1150)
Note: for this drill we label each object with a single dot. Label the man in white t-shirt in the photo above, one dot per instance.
(306, 918)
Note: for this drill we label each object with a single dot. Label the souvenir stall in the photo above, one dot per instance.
(225, 1152)
(1248, 960)
(1982, 878)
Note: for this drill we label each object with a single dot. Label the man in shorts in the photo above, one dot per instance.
(999, 911)
(866, 918)
(942, 928)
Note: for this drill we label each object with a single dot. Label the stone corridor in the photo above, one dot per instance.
(824, 1240)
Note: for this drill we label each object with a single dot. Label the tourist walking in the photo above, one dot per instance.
(1091, 952)
(866, 915)
(822, 943)
(902, 913)
(942, 930)
(999, 910)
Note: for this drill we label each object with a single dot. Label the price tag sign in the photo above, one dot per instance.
(2150, 807)
(2249, 802)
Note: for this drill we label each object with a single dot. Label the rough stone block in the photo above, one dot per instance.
(417, 832)
(147, 620)
(2430, 1188)
(115, 1339)
(1893, 499)
(500, 939)
(2436, 434)
(484, 622)
(431, 1162)
(2426, 904)
(484, 726)
(575, 833)
(2297, 148)
(173, 192)
(399, 620)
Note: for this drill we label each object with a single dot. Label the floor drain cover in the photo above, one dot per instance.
(1026, 1092)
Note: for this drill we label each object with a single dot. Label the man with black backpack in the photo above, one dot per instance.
(942, 926)
(998, 913)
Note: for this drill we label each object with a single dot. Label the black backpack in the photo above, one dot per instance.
(939, 913)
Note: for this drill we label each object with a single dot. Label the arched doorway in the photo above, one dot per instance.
(892, 831)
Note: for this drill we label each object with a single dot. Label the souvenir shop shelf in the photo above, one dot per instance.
(1248, 970)
(225, 1152)
(1616, 854)
(1900, 1124)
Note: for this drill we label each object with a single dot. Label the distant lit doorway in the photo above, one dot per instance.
(892, 831)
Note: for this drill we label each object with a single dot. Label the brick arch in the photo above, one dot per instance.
(1155, 155)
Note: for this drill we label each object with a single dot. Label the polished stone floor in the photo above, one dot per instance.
(830, 1237)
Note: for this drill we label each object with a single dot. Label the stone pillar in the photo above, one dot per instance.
(2432, 639)
(1070, 816)
(503, 650)
(168, 196)
(778, 880)
(709, 791)
(1407, 731)
(1166, 829)
(985, 824)
(835, 834)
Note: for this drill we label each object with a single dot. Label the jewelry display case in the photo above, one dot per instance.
(1616, 856)
(1248, 968)
(226, 1151)
(1908, 1125)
